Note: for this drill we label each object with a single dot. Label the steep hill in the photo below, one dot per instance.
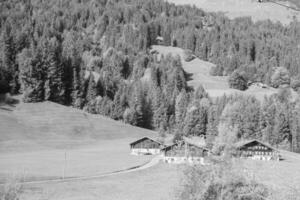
(50, 120)
(35, 139)
(281, 12)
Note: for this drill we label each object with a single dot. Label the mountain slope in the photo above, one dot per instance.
(38, 141)
(216, 86)
(244, 8)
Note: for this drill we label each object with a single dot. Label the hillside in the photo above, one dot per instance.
(36, 137)
(216, 86)
(245, 8)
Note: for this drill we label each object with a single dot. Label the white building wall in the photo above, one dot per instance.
(145, 151)
(184, 160)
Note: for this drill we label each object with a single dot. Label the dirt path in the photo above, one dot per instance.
(154, 161)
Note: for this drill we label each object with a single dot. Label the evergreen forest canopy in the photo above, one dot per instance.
(94, 55)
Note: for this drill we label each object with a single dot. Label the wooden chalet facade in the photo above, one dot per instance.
(185, 151)
(256, 150)
(146, 146)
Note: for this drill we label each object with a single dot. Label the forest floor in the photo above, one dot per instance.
(216, 86)
(243, 8)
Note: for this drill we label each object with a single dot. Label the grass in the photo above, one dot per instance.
(296, 3)
(243, 8)
(281, 177)
(163, 181)
(216, 86)
(35, 137)
(155, 183)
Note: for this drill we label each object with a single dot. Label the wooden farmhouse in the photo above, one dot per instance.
(256, 150)
(146, 146)
(186, 151)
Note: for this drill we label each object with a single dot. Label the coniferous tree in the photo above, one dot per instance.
(238, 81)
(180, 109)
(91, 94)
(54, 83)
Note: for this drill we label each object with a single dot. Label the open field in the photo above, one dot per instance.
(35, 138)
(244, 8)
(283, 177)
(156, 183)
(216, 86)
(295, 2)
(161, 181)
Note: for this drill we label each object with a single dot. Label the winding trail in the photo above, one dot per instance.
(154, 161)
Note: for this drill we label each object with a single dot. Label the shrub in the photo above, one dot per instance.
(237, 80)
(280, 77)
(223, 181)
(11, 190)
(188, 56)
(295, 83)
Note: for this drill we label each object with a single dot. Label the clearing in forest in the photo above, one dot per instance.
(216, 86)
(244, 8)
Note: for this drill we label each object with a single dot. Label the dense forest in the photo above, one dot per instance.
(95, 55)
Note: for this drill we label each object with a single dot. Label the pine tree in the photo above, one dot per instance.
(180, 109)
(54, 85)
(91, 94)
(238, 81)
(195, 122)
(212, 125)
(159, 108)
(282, 129)
(9, 58)
(295, 128)
(32, 74)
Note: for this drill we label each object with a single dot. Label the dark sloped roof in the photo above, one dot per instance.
(143, 138)
(245, 142)
(171, 145)
(190, 141)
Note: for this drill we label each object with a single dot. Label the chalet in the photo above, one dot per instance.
(160, 40)
(256, 150)
(146, 146)
(186, 151)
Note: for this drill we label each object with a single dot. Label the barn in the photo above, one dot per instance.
(256, 150)
(185, 151)
(146, 146)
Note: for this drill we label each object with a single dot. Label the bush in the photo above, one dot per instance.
(188, 56)
(223, 181)
(11, 190)
(280, 77)
(238, 80)
(295, 83)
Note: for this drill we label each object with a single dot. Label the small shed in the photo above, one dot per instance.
(159, 40)
(256, 150)
(146, 146)
(185, 151)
